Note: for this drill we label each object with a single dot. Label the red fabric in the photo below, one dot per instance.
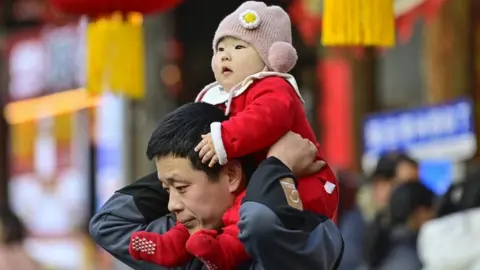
(259, 117)
(307, 23)
(223, 251)
(170, 247)
(406, 22)
(103, 7)
(262, 115)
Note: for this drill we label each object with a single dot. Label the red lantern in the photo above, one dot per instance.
(101, 7)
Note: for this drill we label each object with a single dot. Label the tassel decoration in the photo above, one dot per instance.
(358, 23)
(115, 55)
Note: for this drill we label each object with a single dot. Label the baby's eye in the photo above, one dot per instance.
(238, 47)
(220, 49)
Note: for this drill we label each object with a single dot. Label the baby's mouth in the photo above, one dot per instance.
(226, 70)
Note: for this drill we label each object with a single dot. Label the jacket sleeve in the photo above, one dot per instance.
(265, 119)
(279, 236)
(139, 206)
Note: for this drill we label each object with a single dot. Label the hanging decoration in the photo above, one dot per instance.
(408, 13)
(306, 15)
(358, 22)
(115, 42)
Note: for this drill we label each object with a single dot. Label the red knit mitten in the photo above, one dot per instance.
(167, 250)
(224, 251)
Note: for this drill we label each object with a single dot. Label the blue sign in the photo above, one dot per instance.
(407, 129)
(436, 174)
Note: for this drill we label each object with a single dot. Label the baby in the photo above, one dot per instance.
(252, 54)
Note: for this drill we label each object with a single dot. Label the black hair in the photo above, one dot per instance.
(405, 199)
(12, 229)
(181, 130)
(386, 168)
(402, 157)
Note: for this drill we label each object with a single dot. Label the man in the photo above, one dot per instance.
(275, 231)
(393, 169)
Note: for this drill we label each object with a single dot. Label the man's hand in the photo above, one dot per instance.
(206, 150)
(297, 153)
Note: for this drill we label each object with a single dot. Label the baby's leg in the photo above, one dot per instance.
(167, 250)
(220, 251)
(319, 192)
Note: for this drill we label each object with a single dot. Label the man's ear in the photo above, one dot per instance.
(232, 171)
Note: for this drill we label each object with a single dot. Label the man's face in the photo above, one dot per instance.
(197, 201)
(382, 189)
(406, 172)
(235, 60)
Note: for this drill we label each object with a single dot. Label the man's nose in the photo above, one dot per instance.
(175, 205)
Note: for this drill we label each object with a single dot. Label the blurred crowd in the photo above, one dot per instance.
(390, 220)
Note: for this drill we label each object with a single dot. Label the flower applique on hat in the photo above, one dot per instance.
(249, 19)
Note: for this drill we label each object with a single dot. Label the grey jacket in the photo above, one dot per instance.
(277, 236)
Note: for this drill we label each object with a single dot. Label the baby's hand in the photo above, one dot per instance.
(207, 150)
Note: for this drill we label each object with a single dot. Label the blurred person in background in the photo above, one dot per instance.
(394, 246)
(350, 220)
(406, 168)
(13, 255)
(392, 168)
(450, 242)
(373, 197)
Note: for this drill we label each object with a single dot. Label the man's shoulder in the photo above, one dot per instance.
(250, 266)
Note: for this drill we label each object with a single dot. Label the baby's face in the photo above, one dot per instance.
(235, 60)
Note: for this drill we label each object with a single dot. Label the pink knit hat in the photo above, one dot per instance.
(267, 28)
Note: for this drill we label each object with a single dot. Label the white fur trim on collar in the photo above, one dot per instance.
(215, 95)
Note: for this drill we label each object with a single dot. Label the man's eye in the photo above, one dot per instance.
(238, 47)
(166, 189)
(181, 189)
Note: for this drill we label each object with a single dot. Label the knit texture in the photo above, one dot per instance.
(267, 28)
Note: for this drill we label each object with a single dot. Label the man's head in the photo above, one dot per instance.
(393, 168)
(411, 204)
(383, 180)
(199, 195)
(407, 169)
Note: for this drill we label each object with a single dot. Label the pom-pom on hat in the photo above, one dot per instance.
(267, 28)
